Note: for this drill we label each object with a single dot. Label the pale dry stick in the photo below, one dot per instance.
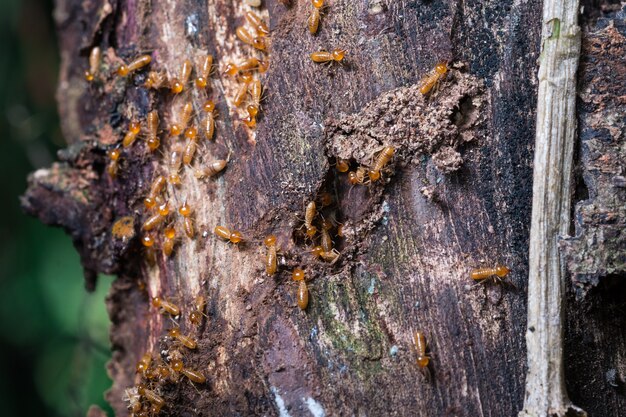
(546, 393)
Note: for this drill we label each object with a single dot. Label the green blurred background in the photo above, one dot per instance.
(54, 340)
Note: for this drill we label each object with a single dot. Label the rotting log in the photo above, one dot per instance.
(457, 196)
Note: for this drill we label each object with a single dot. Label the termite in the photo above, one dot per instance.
(336, 55)
(166, 306)
(209, 121)
(309, 216)
(169, 240)
(155, 80)
(151, 396)
(157, 186)
(270, 260)
(303, 292)
(481, 274)
(420, 347)
(95, 56)
(257, 42)
(144, 363)
(383, 159)
(257, 23)
(147, 240)
(357, 177)
(326, 240)
(131, 135)
(342, 165)
(226, 234)
(157, 218)
(175, 159)
(134, 65)
(431, 80)
(152, 128)
(195, 317)
(249, 64)
(241, 93)
(187, 341)
(211, 170)
(185, 211)
(195, 376)
(204, 71)
(182, 119)
(114, 157)
(177, 85)
(192, 143)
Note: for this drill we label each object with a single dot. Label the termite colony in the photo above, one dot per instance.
(155, 373)
(183, 136)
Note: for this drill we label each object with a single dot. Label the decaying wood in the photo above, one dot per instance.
(456, 196)
(546, 393)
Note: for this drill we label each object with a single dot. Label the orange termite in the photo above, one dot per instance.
(326, 240)
(204, 71)
(383, 159)
(182, 119)
(270, 261)
(420, 347)
(151, 396)
(113, 166)
(131, 135)
(256, 92)
(226, 234)
(209, 121)
(309, 216)
(318, 4)
(169, 240)
(211, 169)
(231, 69)
(356, 177)
(155, 80)
(342, 165)
(177, 85)
(303, 291)
(195, 317)
(481, 274)
(157, 186)
(257, 23)
(95, 56)
(144, 363)
(134, 65)
(192, 143)
(152, 128)
(187, 341)
(147, 240)
(336, 55)
(168, 307)
(257, 42)
(241, 93)
(185, 211)
(428, 82)
(249, 64)
(175, 159)
(195, 376)
(314, 21)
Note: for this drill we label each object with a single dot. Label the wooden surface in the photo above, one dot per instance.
(409, 245)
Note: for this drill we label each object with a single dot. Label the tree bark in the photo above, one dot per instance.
(457, 195)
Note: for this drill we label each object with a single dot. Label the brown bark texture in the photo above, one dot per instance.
(455, 196)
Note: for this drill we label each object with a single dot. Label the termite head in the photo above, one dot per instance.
(502, 271)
